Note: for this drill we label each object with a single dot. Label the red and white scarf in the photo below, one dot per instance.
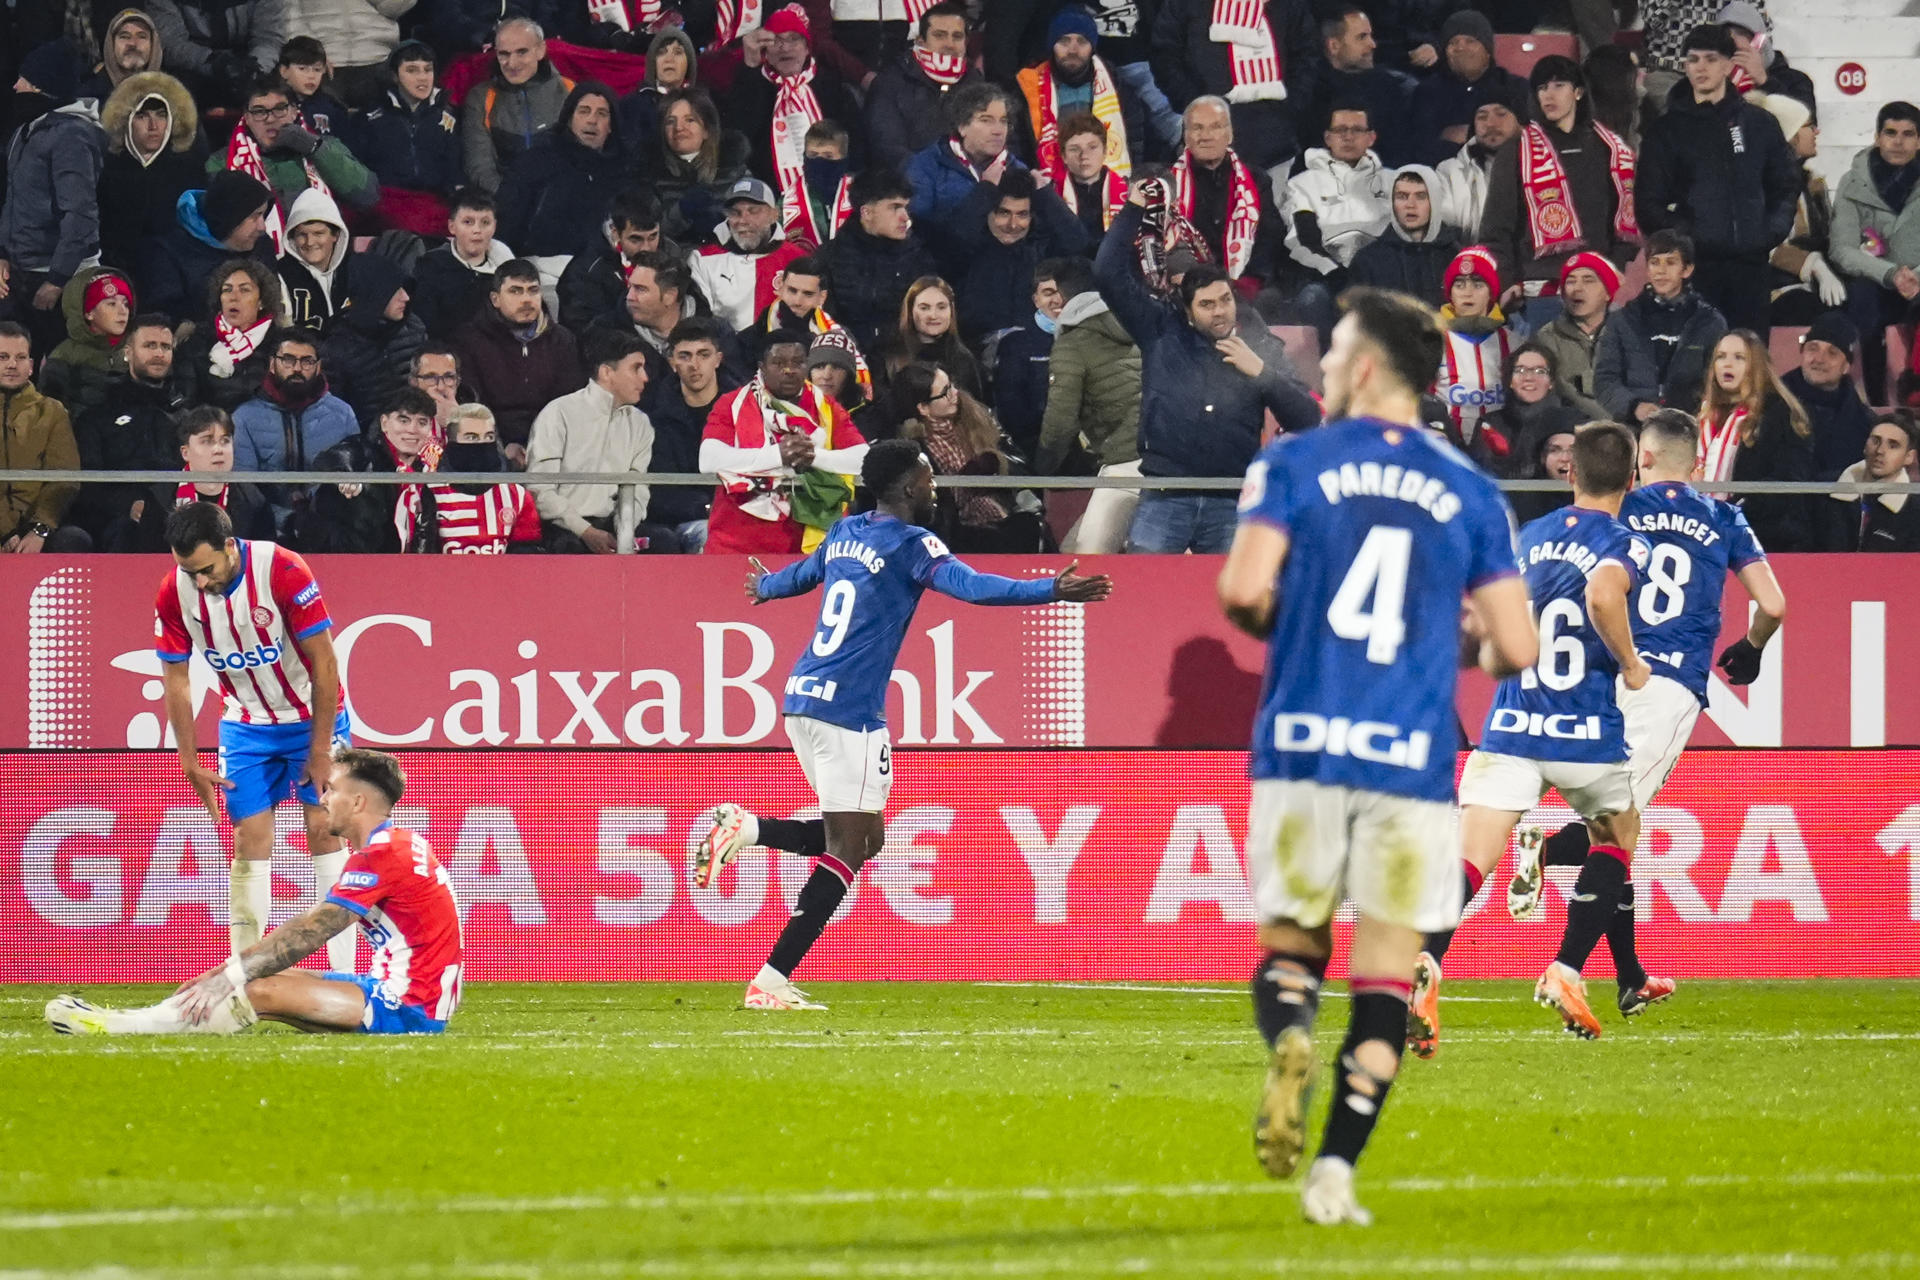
(795, 110)
(243, 156)
(187, 492)
(944, 69)
(1243, 207)
(628, 15)
(1257, 69)
(760, 420)
(1720, 442)
(734, 18)
(978, 171)
(233, 346)
(801, 223)
(1551, 217)
(1113, 191)
(1106, 107)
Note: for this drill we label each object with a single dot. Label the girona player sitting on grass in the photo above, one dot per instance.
(393, 887)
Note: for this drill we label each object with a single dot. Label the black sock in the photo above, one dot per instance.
(1358, 1094)
(1471, 878)
(1595, 896)
(1286, 992)
(806, 837)
(1566, 847)
(1630, 973)
(819, 899)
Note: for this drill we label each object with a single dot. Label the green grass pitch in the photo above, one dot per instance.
(956, 1131)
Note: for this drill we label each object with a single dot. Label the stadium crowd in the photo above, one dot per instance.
(730, 236)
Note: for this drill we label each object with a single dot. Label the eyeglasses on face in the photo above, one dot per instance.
(1530, 371)
(280, 112)
(298, 362)
(438, 379)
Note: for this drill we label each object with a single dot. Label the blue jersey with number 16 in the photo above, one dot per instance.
(1388, 529)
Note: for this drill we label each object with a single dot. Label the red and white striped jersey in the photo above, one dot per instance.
(484, 523)
(248, 633)
(1472, 378)
(405, 902)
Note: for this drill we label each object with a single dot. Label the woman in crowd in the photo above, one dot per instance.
(962, 439)
(1534, 410)
(833, 365)
(928, 330)
(227, 356)
(671, 66)
(693, 164)
(1752, 428)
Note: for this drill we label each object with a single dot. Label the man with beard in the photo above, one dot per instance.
(516, 359)
(737, 273)
(132, 431)
(1074, 80)
(50, 222)
(130, 47)
(1346, 36)
(293, 418)
(476, 519)
(1461, 199)
(275, 149)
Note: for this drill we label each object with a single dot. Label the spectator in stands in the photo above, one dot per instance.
(303, 69)
(217, 47)
(597, 428)
(671, 64)
(782, 92)
(1654, 351)
(1613, 90)
(154, 155)
(1587, 285)
(679, 414)
(1565, 188)
(836, 367)
(50, 219)
(1876, 234)
(209, 228)
(1753, 428)
(1208, 383)
(1093, 394)
(228, 355)
(736, 274)
(1339, 202)
(313, 269)
(1265, 67)
(594, 282)
(1020, 364)
(362, 35)
(799, 303)
(694, 165)
(995, 260)
(1461, 199)
(201, 441)
(369, 519)
(906, 109)
(410, 139)
(515, 358)
(1759, 64)
(1804, 283)
(294, 418)
(875, 257)
(555, 197)
(822, 201)
(97, 304)
(39, 437)
(273, 146)
(435, 369)
(370, 345)
(132, 429)
(1446, 102)
(452, 281)
(659, 289)
(1413, 255)
(129, 47)
(519, 101)
(475, 519)
(1472, 379)
(780, 447)
(956, 179)
(1879, 521)
(1535, 411)
(1219, 195)
(1716, 167)
(962, 439)
(927, 328)
(1075, 80)
(1823, 384)
(1091, 190)
(1350, 77)
(1553, 460)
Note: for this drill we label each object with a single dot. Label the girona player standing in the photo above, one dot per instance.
(253, 612)
(393, 887)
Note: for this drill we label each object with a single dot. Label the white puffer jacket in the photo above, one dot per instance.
(1462, 198)
(1352, 203)
(357, 33)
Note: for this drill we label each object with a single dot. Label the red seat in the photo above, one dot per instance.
(1518, 53)
(1783, 348)
(1303, 348)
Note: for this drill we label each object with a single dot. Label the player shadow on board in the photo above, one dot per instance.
(1211, 698)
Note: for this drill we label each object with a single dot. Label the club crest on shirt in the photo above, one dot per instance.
(262, 616)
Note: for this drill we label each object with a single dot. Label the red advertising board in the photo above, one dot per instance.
(1000, 866)
(664, 652)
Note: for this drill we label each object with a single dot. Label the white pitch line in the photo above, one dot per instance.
(1182, 990)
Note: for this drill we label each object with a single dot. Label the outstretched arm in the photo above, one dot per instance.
(285, 947)
(952, 578)
(795, 580)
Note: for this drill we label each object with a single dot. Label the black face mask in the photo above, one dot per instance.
(823, 175)
(482, 455)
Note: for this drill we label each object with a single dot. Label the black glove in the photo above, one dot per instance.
(232, 68)
(1741, 662)
(298, 139)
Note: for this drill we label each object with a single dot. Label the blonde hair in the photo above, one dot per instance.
(1760, 385)
(472, 409)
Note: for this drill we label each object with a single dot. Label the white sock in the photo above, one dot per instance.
(750, 830)
(249, 898)
(326, 873)
(770, 977)
(231, 1015)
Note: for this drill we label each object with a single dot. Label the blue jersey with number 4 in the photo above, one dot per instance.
(1564, 708)
(874, 569)
(1388, 529)
(1696, 540)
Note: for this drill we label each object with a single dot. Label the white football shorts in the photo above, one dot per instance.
(850, 771)
(1310, 844)
(1516, 784)
(1660, 717)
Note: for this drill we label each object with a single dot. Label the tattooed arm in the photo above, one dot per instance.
(285, 947)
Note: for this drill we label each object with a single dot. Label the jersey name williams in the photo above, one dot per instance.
(848, 549)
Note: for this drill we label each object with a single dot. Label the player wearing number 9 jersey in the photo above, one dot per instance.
(873, 568)
(1696, 541)
(1357, 544)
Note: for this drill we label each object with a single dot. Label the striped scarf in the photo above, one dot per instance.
(1243, 208)
(234, 345)
(1551, 217)
(1720, 442)
(800, 222)
(760, 420)
(960, 154)
(185, 493)
(628, 15)
(1113, 192)
(1106, 106)
(243, 156)
(1257, 69)
(796, 109)
(944, 69)
(734, 18)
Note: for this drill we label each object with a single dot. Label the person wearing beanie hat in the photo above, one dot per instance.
(1588, 282)
(1461, 201)
(1445, 103)
(782, 92)
(1804, 283)
(1758, 63)
(1473, 367)
(411, 143)
(98, 305)
(1824, 384)
(50, 222)
(1075, 80)
(1654, 352)
(836, 367)
(225, 220)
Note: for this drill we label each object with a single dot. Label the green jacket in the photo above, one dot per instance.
(352, 182)
(78, 370)
(35, 435)
(1574, 353)
(1093, 387)
(1859, 208)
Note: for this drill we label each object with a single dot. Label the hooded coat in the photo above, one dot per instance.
(1398, 261)
(78, 371)
(367, 356)
(307, 292)
(51, 218)
(138, 194)
(638, 114)
(555, 197)
(174, 265)
(1093, 387)
(107, 77)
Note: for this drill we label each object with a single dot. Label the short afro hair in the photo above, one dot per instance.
(888, 464)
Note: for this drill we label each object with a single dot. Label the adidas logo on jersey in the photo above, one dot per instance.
(1368, 740)
(1539, 725)
(261, 655)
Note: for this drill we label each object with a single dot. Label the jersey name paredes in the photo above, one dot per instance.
(1696, 541)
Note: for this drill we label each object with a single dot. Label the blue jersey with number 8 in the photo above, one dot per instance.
(1676, 612)
(1388, 529)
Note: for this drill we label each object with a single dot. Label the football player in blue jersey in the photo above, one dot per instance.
(1357, 546)
(1558, 724)
(1696, 541)
(874, 568)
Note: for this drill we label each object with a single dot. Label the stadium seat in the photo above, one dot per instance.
(1303, 348)
(1518, 53)
(1783, 348)
(1064, 506)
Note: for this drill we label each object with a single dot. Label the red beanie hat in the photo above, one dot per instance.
(1474, 260)
(103, 286)
(789, 21)
(1600, 266)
